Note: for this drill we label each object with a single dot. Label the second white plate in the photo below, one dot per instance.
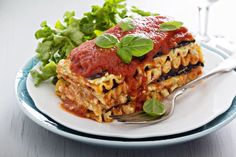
(193, 109)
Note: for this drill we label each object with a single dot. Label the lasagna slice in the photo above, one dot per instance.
(95, 83)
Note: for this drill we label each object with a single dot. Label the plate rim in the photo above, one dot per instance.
(121, 143)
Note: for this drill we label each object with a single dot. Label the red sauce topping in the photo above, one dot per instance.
(89, 59)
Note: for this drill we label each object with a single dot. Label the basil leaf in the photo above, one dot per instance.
(125, 55)
(127, 24)
(106, 41)
(137, 45)
(170, 26)
(153, 107)
(130, 45)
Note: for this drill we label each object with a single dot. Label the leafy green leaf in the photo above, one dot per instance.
(153, 107)
(98, 32)
(141, 12)
(136, 44)
(68, 17)
(130, 45)
(170, 26)
(43, 33)
(56, 44)
(127, 24)
(125, 55)
(59, 25)
(47, 72)
(102, 17)
(43, 51)
(69, 14)
(43, 24)
(106, 41)
(87, 26)
(73, 33)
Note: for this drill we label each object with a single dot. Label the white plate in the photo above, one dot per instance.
(194, 109)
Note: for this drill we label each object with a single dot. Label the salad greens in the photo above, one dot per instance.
(102, 18)
(130, 45)
(55, 43)
(48, 71)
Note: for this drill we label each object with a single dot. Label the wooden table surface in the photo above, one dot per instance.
(21, 137)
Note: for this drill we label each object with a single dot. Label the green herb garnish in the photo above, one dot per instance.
(125, 55)
(130, 45)
(153, 107)
(170, 26)
(106, 41)
(127, 24)
(138, 45)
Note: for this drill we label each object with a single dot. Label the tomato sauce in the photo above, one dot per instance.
(71, 107)
(89, 59)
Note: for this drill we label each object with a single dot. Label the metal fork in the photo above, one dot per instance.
(142, 118)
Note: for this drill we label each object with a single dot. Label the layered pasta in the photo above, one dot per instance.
(91, 86)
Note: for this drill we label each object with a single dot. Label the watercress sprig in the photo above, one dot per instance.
(130, 45)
